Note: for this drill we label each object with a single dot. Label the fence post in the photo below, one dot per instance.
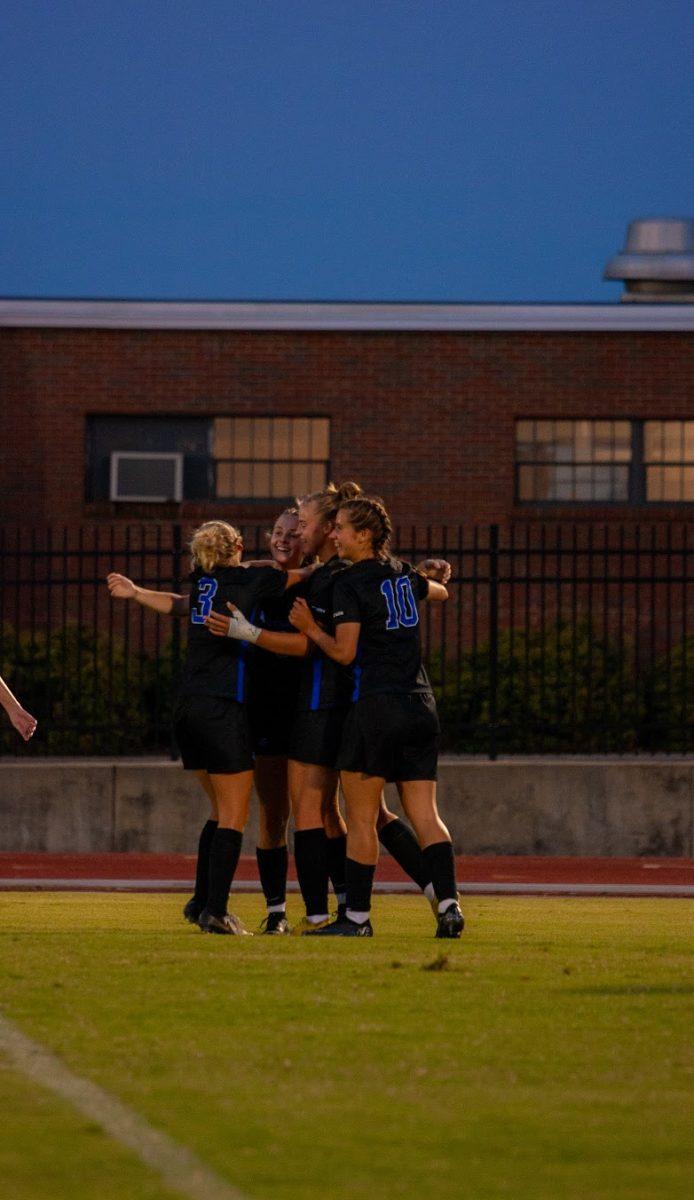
(493, 636)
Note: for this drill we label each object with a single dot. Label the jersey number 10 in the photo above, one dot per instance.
(402, 607)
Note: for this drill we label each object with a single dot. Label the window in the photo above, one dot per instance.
(226, 458)
(668, 455)
(613, 462)
(270, 457)
(573, 460)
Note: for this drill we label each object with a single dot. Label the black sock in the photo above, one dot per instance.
(224, 856)
(202, 870)
(337, 857)
(360, 881)
(441, 863)
(311, 857)
(403, 846)
(272, 868)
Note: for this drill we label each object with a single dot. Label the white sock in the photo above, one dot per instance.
(277, 908)
(315, 919)
(359, 918)
(444, 904)
(429, 891)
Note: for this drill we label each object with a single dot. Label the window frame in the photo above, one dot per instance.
(636, 488)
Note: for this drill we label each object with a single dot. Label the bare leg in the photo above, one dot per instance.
(271, 784)
(362, 799)
(419, 802)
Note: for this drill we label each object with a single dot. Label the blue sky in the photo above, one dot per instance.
(315, 149)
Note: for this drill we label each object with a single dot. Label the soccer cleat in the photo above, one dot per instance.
(192, 910)
(306, 926)
(450, 924)
(275, 922)
(346, 928)
(228, 924)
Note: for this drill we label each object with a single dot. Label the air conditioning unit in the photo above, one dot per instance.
(152, 478)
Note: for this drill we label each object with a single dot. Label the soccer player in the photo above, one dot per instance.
(23, 721)
(273, 684)
(324, 697)
(211, 720)
(392, 729)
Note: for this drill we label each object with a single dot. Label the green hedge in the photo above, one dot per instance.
(87, 695)
(564, 692)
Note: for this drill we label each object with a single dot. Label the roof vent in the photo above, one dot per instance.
(657, 263)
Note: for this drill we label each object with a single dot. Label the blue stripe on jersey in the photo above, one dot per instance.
(241, 680)
(316, 684)
(357, 683)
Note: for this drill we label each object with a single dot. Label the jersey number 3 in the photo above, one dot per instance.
(203, 607)
(402, 607)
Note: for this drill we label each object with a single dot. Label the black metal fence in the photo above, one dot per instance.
(555, 638)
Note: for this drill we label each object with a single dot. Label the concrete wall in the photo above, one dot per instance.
(523, 806)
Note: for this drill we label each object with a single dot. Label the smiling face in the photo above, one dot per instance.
(314, 532)
(351, 544)
(285, 546)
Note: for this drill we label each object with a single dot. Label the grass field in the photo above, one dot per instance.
(548, 1054)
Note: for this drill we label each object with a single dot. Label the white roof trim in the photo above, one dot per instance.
(164, 314)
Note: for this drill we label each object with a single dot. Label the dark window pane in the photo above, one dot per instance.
(688, 483)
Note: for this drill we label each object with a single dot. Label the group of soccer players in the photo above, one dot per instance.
(306, 672)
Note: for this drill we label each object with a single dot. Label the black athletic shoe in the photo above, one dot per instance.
(450, 924)
(345, 928)
(275, 922)
(228, 924)
(192, 910)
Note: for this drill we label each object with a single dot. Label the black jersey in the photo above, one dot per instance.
(274, 676)
(324, 683)
(382, 597)
(216, 666)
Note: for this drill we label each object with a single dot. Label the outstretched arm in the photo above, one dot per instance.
(23, 721)
(166, 603)
(236, 626)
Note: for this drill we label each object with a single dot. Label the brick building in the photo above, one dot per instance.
(453, 412)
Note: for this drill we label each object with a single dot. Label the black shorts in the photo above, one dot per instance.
(213, 735)
(393, 736)
(271, 727)
(316, 736)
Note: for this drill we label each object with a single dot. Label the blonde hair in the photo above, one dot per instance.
(330, 500)
(370, 513)
(214, 544)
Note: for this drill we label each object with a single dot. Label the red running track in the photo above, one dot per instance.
(504, 874)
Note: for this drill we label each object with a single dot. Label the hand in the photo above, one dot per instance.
(120, 587)
(218, 624)
(23, 722)
(236, 626)
(437, 569)
(301, 617)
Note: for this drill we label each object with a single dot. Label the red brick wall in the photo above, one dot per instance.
(426, 419)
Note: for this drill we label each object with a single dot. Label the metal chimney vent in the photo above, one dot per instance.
(657, 263)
